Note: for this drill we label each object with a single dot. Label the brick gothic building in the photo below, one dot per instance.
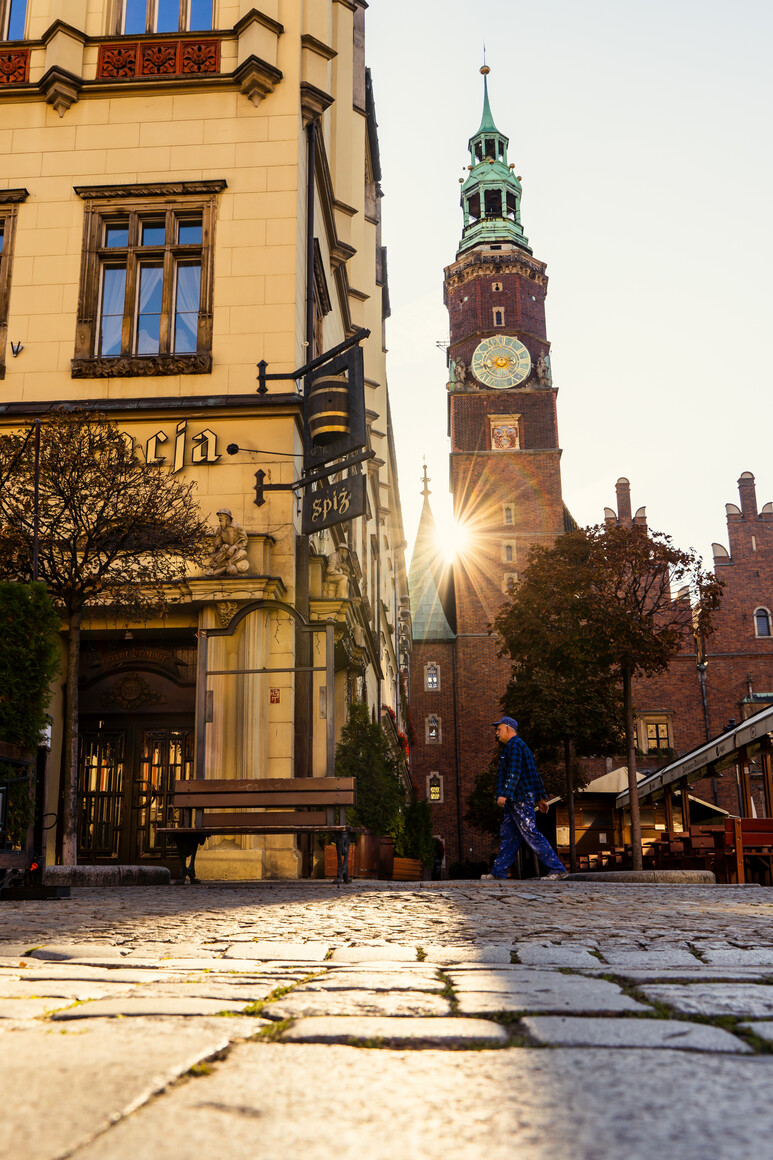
(731, 675)
(504, 477)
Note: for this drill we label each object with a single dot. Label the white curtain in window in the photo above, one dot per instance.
(187, 308)
(113, 294)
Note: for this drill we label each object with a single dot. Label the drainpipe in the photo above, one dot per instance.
(311, 134)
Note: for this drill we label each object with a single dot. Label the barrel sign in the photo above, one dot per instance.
(328, 408)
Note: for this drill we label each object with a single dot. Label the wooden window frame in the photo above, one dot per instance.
(5, 16)
(151, 9)
(434, 775)
(131, 203)
(10, 199)
(433, 717)
(427, 686)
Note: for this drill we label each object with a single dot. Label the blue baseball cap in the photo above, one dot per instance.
(506, 721)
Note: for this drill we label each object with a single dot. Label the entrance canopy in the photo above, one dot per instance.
(734, 747)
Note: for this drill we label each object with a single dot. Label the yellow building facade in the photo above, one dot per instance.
(189, 188)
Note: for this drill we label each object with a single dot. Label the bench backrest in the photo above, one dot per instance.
(282, 801)
(750, 826)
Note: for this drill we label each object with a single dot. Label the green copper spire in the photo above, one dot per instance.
(487, 121)
(491, 195)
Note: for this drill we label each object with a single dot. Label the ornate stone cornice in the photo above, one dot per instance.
(479, 263)
(256, 78)
(60, 88)
(318, 46)
(256, 17)
(13, 196)
(314, 102)
(134, 366)
(152, 189)
(62, 26)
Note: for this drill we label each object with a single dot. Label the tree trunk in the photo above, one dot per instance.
(70, 763)
(630, 744)
(568, 765)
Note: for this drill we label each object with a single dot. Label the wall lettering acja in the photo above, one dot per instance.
(203, 447)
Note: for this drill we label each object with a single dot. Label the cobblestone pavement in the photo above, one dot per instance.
(300, 1020)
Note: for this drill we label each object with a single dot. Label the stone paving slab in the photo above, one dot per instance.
(348, 980)
(750, 999)
(98, 1071)
(764, 1029)
(541, 992)
(432, 1032)
(576, 1031)
(300, 1004)
(285, 951)
(654, 960)
(68, 989)
(535, 954)
(383, 954)
(696, 974)
(30, 1008)
(79, 951)
(287, 1101)
(73, 972)
(149, 1005)
(739, 956)
(496, 953)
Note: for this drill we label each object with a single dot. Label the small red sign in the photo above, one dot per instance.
(275, 696)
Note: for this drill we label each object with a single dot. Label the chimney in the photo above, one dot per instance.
(748, 494)
(623, 489)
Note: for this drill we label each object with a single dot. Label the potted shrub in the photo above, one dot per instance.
(364, 752)
(414, 842)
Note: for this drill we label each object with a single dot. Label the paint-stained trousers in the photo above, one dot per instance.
(518, 825)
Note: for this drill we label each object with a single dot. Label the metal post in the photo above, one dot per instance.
(36, 504)
(767, 776)
(668, 803)
(201, 703)
(685, 806)
(330, 697)
(746, 789)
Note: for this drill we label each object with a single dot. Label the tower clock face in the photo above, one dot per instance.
(501, 361)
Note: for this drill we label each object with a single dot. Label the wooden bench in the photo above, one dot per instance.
(745, 838)
(306, 805)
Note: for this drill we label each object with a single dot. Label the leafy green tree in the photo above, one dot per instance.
(413, 836)
(599, 606)
(29, 660)
(364, 752)
(114, 533)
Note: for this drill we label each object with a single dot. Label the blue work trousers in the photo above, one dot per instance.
(519, 824)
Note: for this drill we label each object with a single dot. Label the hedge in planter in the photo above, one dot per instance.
(364, 752)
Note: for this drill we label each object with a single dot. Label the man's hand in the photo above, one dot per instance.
(542, 806)
(501, 802)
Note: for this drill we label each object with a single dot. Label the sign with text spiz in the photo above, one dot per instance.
(333, 504)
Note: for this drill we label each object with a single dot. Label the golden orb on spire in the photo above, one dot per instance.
(485, 70)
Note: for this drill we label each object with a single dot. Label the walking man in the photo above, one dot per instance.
(519, 787)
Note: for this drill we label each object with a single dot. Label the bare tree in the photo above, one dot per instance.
(111, 532)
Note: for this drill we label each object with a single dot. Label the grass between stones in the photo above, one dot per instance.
(256, 1008)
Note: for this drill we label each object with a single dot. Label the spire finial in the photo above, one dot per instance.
(425, 480)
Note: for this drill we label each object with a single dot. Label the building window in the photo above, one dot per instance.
(510, 581)
(434, 788)
(654, 734)
(432, 730)
(13, 18)
(508, 552)
(136, 17)
(507, 513)
(761, 622)
(499, 317)
(496, 287)
(432, 677)
(9, 201)
(145, 303)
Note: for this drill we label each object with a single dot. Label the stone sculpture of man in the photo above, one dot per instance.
(229, 553)
(336, 579)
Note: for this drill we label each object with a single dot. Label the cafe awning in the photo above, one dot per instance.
(707, 759)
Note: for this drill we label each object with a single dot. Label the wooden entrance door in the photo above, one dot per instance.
(126, 780)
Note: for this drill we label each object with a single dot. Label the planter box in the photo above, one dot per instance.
(406, 870)
(331, 861)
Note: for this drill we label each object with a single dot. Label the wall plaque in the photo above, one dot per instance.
(333, 504)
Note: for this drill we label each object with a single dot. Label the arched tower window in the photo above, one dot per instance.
(762, 622)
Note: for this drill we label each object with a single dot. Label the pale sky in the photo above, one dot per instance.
(642, 135)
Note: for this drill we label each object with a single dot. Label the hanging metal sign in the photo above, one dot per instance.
(333, 504)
